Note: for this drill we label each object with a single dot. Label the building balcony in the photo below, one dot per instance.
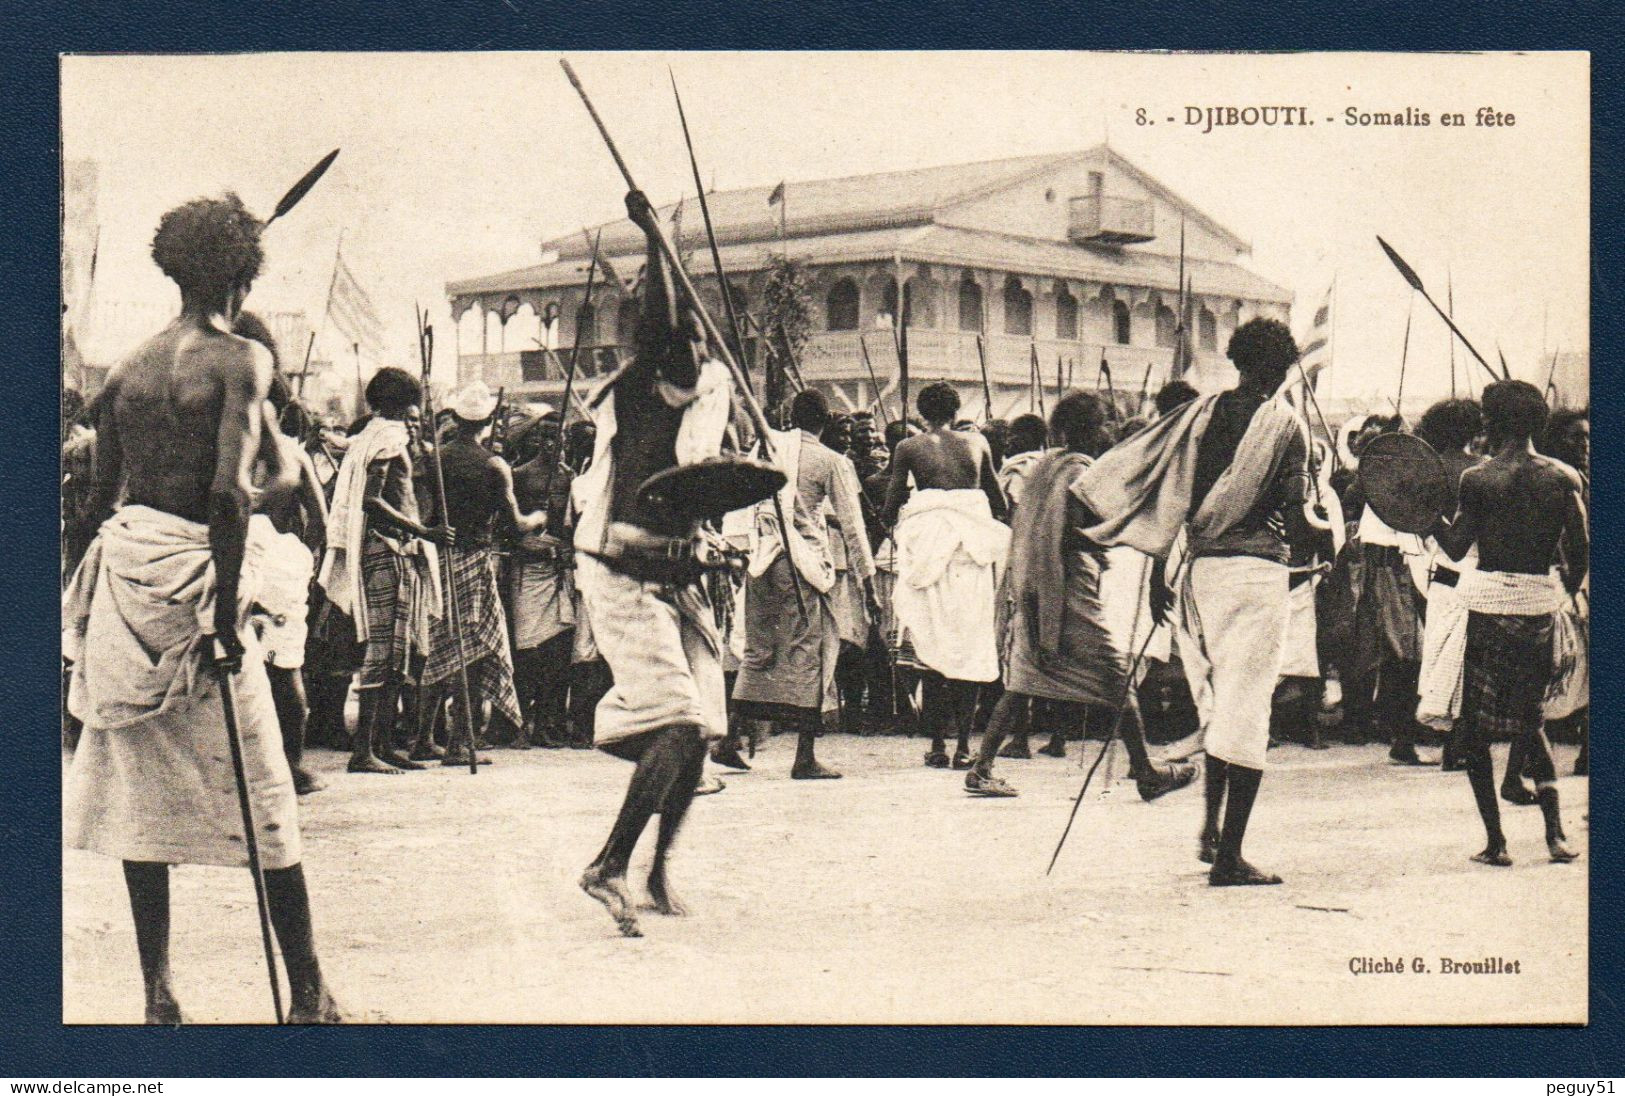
(1098, 219)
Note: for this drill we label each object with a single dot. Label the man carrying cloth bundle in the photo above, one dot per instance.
(1061, 648)
(1231, 470)
(951, 545)
(637, 569)
(165, 586)
(1526, 514)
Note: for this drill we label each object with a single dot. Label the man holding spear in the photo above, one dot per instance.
(165, 588)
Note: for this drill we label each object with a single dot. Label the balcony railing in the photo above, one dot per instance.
(1098, 219)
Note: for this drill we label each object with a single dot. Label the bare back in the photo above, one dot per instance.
(943, 459)
(187, 398)
(1521, 507)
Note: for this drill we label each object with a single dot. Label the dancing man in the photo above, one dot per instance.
(166, 585)
(651, 619)
(1527, 515)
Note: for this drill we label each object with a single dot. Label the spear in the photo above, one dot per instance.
(1060, 389)
(453, 609)
(570, 378)
(1404, 354)
(752, 409)
(880, 404)
(302, 187)
(1415, 282)
(710, 234)
(987, 389)
(304, 370)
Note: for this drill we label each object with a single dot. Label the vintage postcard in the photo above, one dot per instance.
(814, 538)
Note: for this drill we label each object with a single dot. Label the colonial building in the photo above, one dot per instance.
(1066, 261)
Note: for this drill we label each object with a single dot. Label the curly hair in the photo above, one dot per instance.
(1028, 432)
(209, 246)
(391, 391)
(1450, 424)
(1554, 441)
(809, 411)
(938, 402)
(1262, 346)
(1079, 421)
(1514, 410)
(1174, 395)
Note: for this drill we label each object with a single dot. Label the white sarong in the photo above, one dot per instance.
(152, 776)
(950, 551)
(1233, 614)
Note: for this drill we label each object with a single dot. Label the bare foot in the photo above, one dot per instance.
(1560, 853)
(1495, 856)
(162, 1010)
(304, 783)
(661, 899)
(1517, 793)
(1239, 873)
(611, 891)
(426, 751)
(812, 770)
(399, 760)
(370, 764)
(1207, 846)
(324, 1010)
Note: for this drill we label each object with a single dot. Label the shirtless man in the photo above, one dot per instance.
(1527, 514)
(180, 425)
(543, 592)
(950, 546)
(480, 504)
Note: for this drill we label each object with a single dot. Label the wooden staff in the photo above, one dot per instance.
(987, 389)
(880, 404)
(228, 707)
(426, 356)
(570, 381)
(753, 410)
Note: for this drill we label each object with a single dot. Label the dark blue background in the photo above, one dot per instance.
(34, 1042)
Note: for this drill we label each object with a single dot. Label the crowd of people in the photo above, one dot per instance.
(1200, 574)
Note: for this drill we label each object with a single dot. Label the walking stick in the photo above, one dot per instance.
(228, 705)
(1117, 724)
(753, 410)
(987, 389)
(426, 355)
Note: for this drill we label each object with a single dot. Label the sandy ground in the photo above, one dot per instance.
(889, 896)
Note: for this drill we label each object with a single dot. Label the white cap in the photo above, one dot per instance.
(474, 403)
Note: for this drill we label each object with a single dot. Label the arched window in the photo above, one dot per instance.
(920, 302)
(627, 314)
(842, 305)
(1167, 326)
(887, 316)
(1207, 328)
(1018, 309)
(1120, 322)
(587, 324)
(1066, 314)
(970, 306)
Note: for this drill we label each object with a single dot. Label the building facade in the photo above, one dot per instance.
(1055, 271)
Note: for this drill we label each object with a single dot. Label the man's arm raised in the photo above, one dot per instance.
(245, 378)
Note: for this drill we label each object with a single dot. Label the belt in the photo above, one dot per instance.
(655, 557)
(1443, 575)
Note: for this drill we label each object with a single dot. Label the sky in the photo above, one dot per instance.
(460, 164)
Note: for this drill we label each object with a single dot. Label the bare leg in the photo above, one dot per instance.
(1007, 716)
(1229, 869)
(290, 916)
(1152, 780)
(806, 765)
(660, 767)
(1544, 769)
(429, 709)
(148, 884)
(1481, 775)
(672, 813)
(292, 714)
(362, 757)
(963, 694)
(1513, 789)
(936, 713)
(383, 736)
(1213, 789)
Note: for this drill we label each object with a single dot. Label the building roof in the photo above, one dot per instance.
(931, 243)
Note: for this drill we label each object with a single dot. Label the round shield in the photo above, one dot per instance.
(710, 488)
(1405, 482)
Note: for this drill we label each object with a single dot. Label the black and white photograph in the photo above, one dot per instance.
(988, 538)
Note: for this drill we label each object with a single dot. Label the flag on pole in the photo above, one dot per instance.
(777, 196)
(351, 309)
(1314, 353)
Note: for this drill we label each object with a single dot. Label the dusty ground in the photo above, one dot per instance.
(889, 896)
